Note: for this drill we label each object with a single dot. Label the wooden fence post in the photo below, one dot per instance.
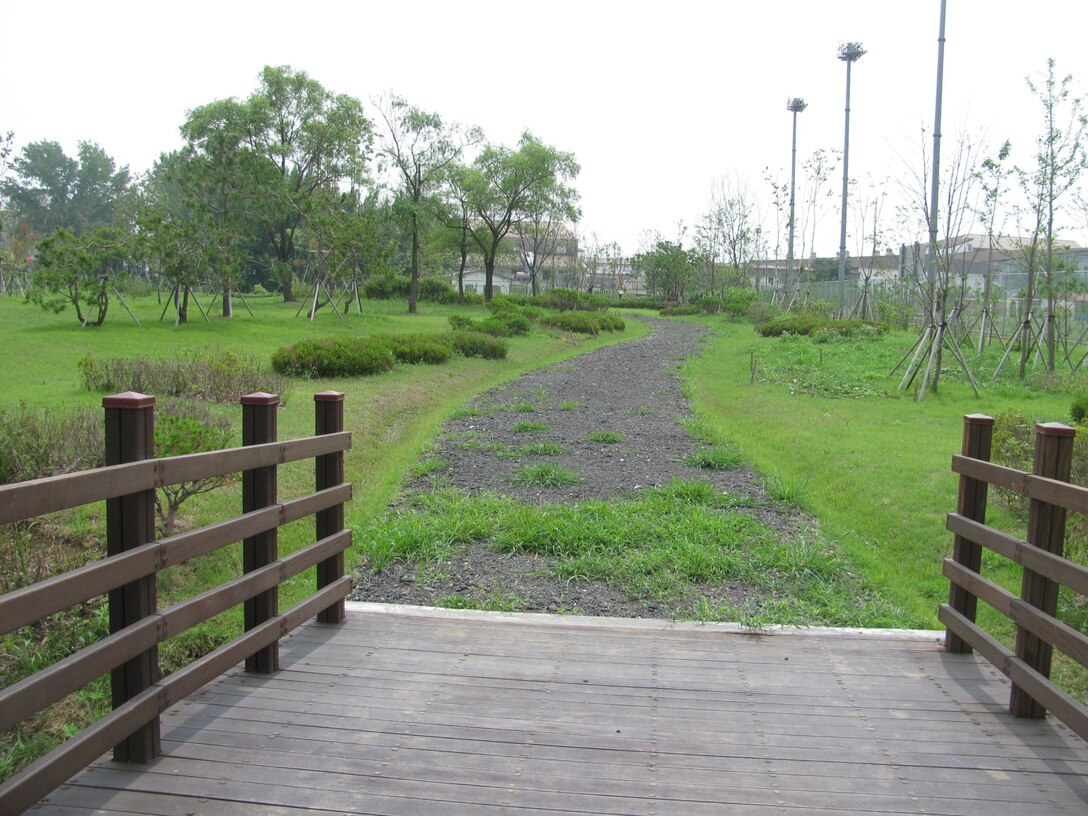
(130, 522)
(329, 418)
(978, 432)
(1046, 530)
(259, 490)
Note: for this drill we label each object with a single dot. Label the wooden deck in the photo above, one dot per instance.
(403, 711)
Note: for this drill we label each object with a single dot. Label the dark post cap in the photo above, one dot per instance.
(261, 398)
(978, 419)
(128, 399)
(329, 396)
(1055, 429)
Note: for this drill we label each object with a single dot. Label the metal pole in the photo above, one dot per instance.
(795, 107)
(934, 200)
(848, 53)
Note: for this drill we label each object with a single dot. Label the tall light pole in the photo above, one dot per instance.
(848, 53)
(795, 106)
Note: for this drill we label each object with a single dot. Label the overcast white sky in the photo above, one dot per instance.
(654, 99)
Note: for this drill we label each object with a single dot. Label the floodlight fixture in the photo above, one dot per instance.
(851, 51)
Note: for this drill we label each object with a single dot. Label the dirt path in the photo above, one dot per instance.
(631, 390)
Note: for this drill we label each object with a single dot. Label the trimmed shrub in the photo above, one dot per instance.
(492, 326)
(437, 290)
(218, 376)
(681, 311)
(710, 304)
(579, 322)
(812, 324)
(335, 357)
(610, 322)
(562, 299)
(584, 322)
(506, 305)
(637, 303)
(515, 322)
(460, 323)
(477, 344)
(385, 287)
(419, 348)
(760, 311)
(38, 442)
(737, 301)
(1079, 409)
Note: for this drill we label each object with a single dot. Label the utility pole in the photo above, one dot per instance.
(934, 199)
(849, 53)
(795, 106)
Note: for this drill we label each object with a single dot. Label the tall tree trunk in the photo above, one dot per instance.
(228, 302)
(413, 286)
(489, 276)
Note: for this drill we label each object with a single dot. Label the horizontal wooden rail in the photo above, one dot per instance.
(52, 493)
(1064, 707)
(23, 791)
(32, 694)
(32, 603)
(1061, 635)
(1052, 491)
(1054, 567)
(129, 654)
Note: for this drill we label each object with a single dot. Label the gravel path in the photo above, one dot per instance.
(631, 389)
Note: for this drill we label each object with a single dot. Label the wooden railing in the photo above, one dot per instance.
(1045, 571)
(128, 576)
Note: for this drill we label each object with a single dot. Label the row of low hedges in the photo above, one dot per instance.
(361, 356)
(808, 324)
(681, 311)
(584, 322)
(637, 302)
(217, 376)
(562, 300)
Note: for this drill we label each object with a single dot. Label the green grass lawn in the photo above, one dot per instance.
(873, 464)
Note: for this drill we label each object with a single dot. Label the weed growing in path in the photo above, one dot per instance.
(610, 437)
(529, 427)
(719, 457)
(544, 476)
(787, 490)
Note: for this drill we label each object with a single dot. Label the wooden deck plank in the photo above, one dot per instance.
(413, 714)
(595, 717)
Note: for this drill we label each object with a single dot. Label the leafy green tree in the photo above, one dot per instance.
(307, 140)
(79, 271)
(668, 269)
(542, 229)
(181, 429)
(213, 182)
(49, 190)
(455, 214)
(420, 149)
(503, 187)
(1060, 159)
